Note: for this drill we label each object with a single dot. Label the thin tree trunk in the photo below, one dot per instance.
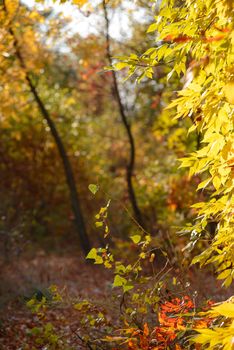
(70, 179)
(131, 163)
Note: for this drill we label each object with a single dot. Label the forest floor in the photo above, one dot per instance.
(76, 279)
(20, 279)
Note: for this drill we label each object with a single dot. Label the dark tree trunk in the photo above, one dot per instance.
(131, 162)
(70, 179)
(75, 202)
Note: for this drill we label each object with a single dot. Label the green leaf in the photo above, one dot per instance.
(98, 260)
(93, 188)
(98, 223)
(120, 268)
(92, 254)
(119, 281)
(135, 238)
(81, 305)
(128, 286)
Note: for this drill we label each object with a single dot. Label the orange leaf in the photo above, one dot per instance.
(146, 329)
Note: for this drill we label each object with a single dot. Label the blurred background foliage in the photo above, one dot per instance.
(69, 73)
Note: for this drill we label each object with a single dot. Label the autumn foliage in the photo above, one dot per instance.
(116, 169)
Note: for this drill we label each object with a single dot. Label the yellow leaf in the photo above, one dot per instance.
(226, 309)
(229, 92)
(216, 182)
(79, 2)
